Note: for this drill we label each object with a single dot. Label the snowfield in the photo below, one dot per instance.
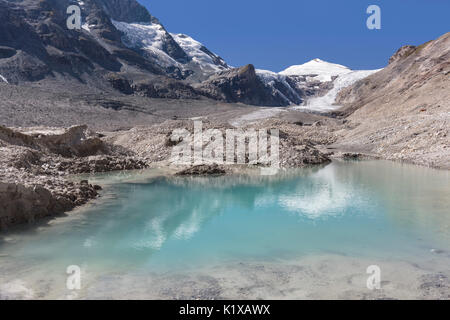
(323, 70)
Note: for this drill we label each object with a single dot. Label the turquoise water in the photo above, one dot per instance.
(364, 209)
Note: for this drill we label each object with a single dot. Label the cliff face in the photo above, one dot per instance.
(35, 162)
(403, 111)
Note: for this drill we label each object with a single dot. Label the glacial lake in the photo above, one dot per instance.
(375, 211)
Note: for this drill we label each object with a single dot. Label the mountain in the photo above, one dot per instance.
(313, 85)
(122, 49)
(37, 45)
(403, 111)
(412, 74)
(117, 36)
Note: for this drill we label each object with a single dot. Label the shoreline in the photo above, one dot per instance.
(311, 277)
(47, 158)
(143, 176)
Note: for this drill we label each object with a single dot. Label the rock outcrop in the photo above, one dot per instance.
(402, 53)
(21, 203)
(241, 85)
(34, 163)
(76, 141)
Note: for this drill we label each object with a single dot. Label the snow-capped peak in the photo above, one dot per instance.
(322, 70)
(315, 72)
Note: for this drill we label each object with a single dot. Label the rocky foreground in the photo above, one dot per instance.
(34, 168)
(36, 163)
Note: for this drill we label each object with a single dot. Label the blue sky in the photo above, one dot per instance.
(274, 34)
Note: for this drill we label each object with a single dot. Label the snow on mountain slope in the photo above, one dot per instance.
(326, 102)
(323, 71)
(207, 60)
(152, 38)
(149, 37)
(3, 79)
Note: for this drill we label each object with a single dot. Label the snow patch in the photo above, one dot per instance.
(142, 35)
(86, 27)
(3, 79)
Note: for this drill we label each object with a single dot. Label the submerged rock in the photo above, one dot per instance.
(199, 170)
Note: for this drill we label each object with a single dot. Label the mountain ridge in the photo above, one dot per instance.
(403, 111)
(124, 49)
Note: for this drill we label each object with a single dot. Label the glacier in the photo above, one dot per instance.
(327, 102)
(310, 75)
